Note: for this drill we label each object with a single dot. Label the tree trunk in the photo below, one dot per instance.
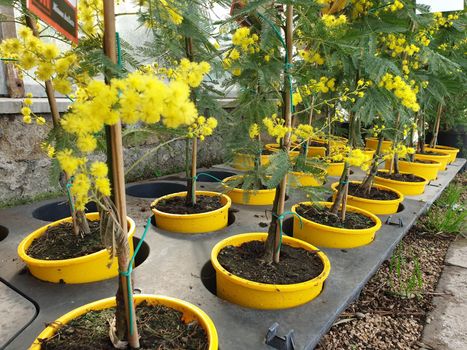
(368, 182)
(341, 189)
(273, 242)
(78, 218)
(434, 140)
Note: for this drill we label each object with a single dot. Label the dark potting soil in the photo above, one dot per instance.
(266, 152)
(431, 153)
(160, 328)
(296, 264)
(375, 193)
(317, 144)
(425, 161)
(322, 215)
(400, 177)
(177, 205)
(59, 242)
(239, 186)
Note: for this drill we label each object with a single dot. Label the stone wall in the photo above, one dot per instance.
(25, 171)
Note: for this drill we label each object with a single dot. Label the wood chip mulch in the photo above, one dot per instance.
(384, 317)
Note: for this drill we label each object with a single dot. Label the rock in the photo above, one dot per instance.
(360, 315)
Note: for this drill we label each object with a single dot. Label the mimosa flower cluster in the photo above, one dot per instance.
(202, 127)
(403, 91)
(139, 97)
(91, 16)
(45, 59)
(28, 114)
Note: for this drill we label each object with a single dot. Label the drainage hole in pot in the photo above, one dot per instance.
(58, 210)
(154, 189)
(230, 219)
(143, 252)
(287, 226)
(3, 232)
(221, 175)
(400, 208)
(208, 277)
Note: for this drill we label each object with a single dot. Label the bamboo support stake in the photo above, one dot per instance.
(288, 123)
(119, 175)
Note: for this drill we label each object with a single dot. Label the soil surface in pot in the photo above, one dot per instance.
(59, 242)
(323, 216)
(431, 153)
(401, 177)
(317, 144)
(375, 193)
(238, 186)
(177, 205)
(425, 161)
(160, 328)
(296, 264)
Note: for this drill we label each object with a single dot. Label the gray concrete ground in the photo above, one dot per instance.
(447, 327)
(177, 266)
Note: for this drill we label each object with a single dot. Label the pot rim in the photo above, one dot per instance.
(436, 164)
(190, 216)
(385, 201)
(27, 241)
(251, 236)
(205, 321)
(414, 183)
(376, 220)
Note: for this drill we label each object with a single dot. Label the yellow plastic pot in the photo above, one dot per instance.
(300, 179)
(242, 161)
(256, 295)
(404, 187)
(452, 151)
(335, 169)
(369, 152)
(372, 143)
(193, 223)
(190, 312)
(258, 197)
(84, 269)
(440, 157)
(425, 170)
(316, 151)
(378, 207)
(334, 237)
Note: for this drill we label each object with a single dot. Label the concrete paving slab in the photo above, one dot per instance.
(16, 313)
(447, 328)
(177, 265)
(457, 253)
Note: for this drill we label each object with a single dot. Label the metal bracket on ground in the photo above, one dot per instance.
(281, 343)
(399, 222)
(434, 185)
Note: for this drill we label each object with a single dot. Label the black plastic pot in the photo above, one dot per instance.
(58, 210)
(452, 138)
(154, 189)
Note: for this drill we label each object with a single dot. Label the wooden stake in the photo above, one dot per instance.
(288, 123)
(14, 84)
(118, 174)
